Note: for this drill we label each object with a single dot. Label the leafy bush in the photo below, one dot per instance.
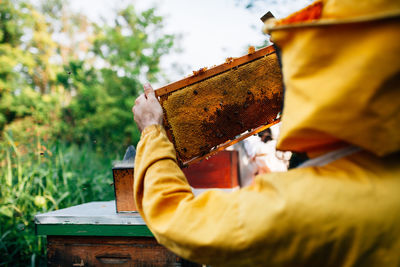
(41, 177)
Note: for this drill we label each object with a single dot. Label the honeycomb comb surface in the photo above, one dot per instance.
(208, 113)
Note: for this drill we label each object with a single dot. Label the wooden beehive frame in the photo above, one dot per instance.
(201, 75)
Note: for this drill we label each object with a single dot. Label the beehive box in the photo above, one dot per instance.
(123, 187)
(205, 112)
(218, 171)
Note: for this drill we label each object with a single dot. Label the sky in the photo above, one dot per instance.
(210, 30)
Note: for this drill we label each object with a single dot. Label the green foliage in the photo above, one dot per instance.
(25, 71)
(14, 60)
(41, 177)
(134, 45)
(81, 101)
(101, 109)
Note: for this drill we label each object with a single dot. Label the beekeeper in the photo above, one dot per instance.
(341, 70)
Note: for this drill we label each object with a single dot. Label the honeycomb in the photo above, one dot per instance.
(208, 113)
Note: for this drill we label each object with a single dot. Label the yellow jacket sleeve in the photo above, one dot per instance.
(210, 228)
(323, 216)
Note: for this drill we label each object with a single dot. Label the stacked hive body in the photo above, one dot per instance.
(214, 106)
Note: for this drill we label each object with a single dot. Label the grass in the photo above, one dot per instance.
(41, 177)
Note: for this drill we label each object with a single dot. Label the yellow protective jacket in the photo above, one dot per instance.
(341, 69)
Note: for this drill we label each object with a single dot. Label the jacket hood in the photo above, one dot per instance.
(341, 69)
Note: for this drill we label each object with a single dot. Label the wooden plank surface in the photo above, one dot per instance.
(109, 251)
(96, 212)
(97, 218)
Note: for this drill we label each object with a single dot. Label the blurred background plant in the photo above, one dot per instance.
(40, 177)
(67, 86)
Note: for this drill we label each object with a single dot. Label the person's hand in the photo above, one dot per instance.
(147, 110)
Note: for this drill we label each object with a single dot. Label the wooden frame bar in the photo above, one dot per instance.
(229, 64)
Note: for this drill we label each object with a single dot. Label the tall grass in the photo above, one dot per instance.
(41, 177)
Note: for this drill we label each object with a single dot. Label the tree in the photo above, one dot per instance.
(128, 50)
(26, 73)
